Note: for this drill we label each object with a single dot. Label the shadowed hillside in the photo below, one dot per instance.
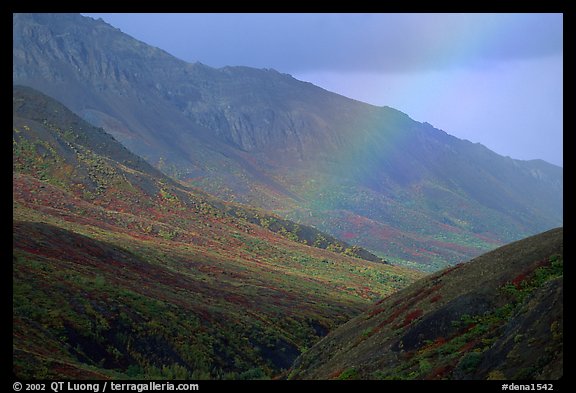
(499, 316)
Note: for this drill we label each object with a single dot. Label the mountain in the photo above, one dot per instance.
(372, 176)
(121, 272)
(499, 316)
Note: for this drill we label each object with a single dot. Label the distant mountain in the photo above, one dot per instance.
(500, 316)
(121, 272)
(370, 175)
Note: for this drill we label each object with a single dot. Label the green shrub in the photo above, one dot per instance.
(470, 361)
(350, 373)
(253, 374)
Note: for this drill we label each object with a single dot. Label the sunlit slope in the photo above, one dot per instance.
(119, 271)
(369, 175)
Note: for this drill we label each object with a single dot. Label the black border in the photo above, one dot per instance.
(505, 6)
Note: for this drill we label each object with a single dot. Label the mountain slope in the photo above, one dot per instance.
(74, 151)
(369, 175)
(119, 271)
(499, 316)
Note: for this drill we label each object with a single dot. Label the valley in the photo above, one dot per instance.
(404, 190)
(173, 220)
(119, 272)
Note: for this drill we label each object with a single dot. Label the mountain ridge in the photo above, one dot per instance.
(402, 189)
(32, 105)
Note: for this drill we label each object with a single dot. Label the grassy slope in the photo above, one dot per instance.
(500, 316)
(120, 272)
(368, 175)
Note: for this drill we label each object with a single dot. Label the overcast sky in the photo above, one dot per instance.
(489, 78)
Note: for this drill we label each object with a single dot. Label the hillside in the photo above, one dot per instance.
(499, 316)
(368, 175)
(120, 272)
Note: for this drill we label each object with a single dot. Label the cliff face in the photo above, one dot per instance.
(370, 175)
